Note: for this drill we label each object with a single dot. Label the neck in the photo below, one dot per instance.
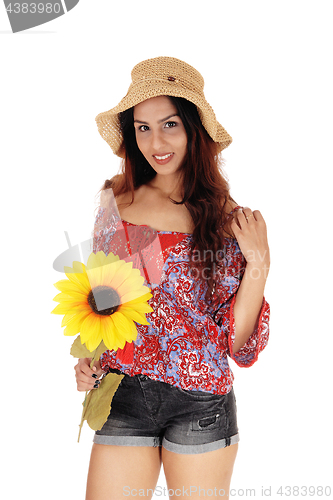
(168, 186)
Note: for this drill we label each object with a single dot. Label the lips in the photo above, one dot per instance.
(163, 159)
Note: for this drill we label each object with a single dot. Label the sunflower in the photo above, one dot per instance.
(102, 300)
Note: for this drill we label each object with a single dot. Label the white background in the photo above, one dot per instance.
(268, 75)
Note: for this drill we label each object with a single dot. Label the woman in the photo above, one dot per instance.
(175, 404)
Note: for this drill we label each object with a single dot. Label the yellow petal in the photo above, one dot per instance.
(103, 275)
(132, 295)
(99, 259)
(124, 328)
(132, 283)
(109, 273)
(78, 267)
(80, 280)
(67, 286)
(74, 324)
(74, 296)
(121, 275)
(140, 308)
(66, 319)
(146, 296)
(111, 341)
(100, 266)
(69, 307)
(65, 308)
(74, 320)
(131, 314)
(91, 332)
(108, 332)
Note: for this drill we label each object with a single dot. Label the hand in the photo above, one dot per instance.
(86, 378)
(251, 233)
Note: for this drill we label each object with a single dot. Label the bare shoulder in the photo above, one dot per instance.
(124, 198)
(129, 206)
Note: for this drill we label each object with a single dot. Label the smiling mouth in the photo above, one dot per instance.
(163, 157)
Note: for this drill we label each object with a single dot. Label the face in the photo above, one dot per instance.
(160, 134)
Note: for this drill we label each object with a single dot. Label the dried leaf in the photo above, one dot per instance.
(99, 351)
(98, 402)
(79, 350)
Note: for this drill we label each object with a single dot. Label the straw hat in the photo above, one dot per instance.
(162, 76)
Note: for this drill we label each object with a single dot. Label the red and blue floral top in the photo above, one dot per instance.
(188, 341)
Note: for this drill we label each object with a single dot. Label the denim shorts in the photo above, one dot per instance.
(147, 412)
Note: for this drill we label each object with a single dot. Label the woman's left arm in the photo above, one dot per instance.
(250, 231)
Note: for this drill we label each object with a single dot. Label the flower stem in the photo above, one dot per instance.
(85, 399)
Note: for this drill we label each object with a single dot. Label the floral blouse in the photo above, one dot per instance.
(188, 341)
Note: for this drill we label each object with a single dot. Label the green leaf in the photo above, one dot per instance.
(79, 350)
(98, 401)
(99, 351)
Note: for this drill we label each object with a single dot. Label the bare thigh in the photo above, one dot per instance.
(117, 472)
(188, 474)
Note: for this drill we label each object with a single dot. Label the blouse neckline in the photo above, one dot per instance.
(174, 232)
(155, 230)
(166, 232)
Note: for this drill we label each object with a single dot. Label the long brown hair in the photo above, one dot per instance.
(205, 188)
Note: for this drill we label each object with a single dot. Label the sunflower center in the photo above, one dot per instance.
(103, 300)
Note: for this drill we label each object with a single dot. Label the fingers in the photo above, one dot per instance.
(97, 368)
(86, 378)
(245, 216)
(245, 219)
(258, 216)
(241, 219)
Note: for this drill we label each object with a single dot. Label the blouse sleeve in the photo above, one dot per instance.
(248, 354)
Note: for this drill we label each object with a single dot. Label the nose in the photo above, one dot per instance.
(157, 141)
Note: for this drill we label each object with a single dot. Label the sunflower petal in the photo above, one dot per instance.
(124, 328)
(109, 271)
(100, 266)
(99, 259)
(63, 309)
(140, 308)
(67, 286)
(131, 314)
(108, 332)
(75, 322)
(131, 283)
(132, 295)
(91, 334)
(103, 275)
(61, 297)
(69, 307)
(139, 300)
(121, 275)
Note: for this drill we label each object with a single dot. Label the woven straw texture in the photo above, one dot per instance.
(162, 76)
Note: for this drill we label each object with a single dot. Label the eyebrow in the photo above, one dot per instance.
(159, 121)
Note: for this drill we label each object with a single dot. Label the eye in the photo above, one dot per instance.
(170, 124)
(143, 128)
